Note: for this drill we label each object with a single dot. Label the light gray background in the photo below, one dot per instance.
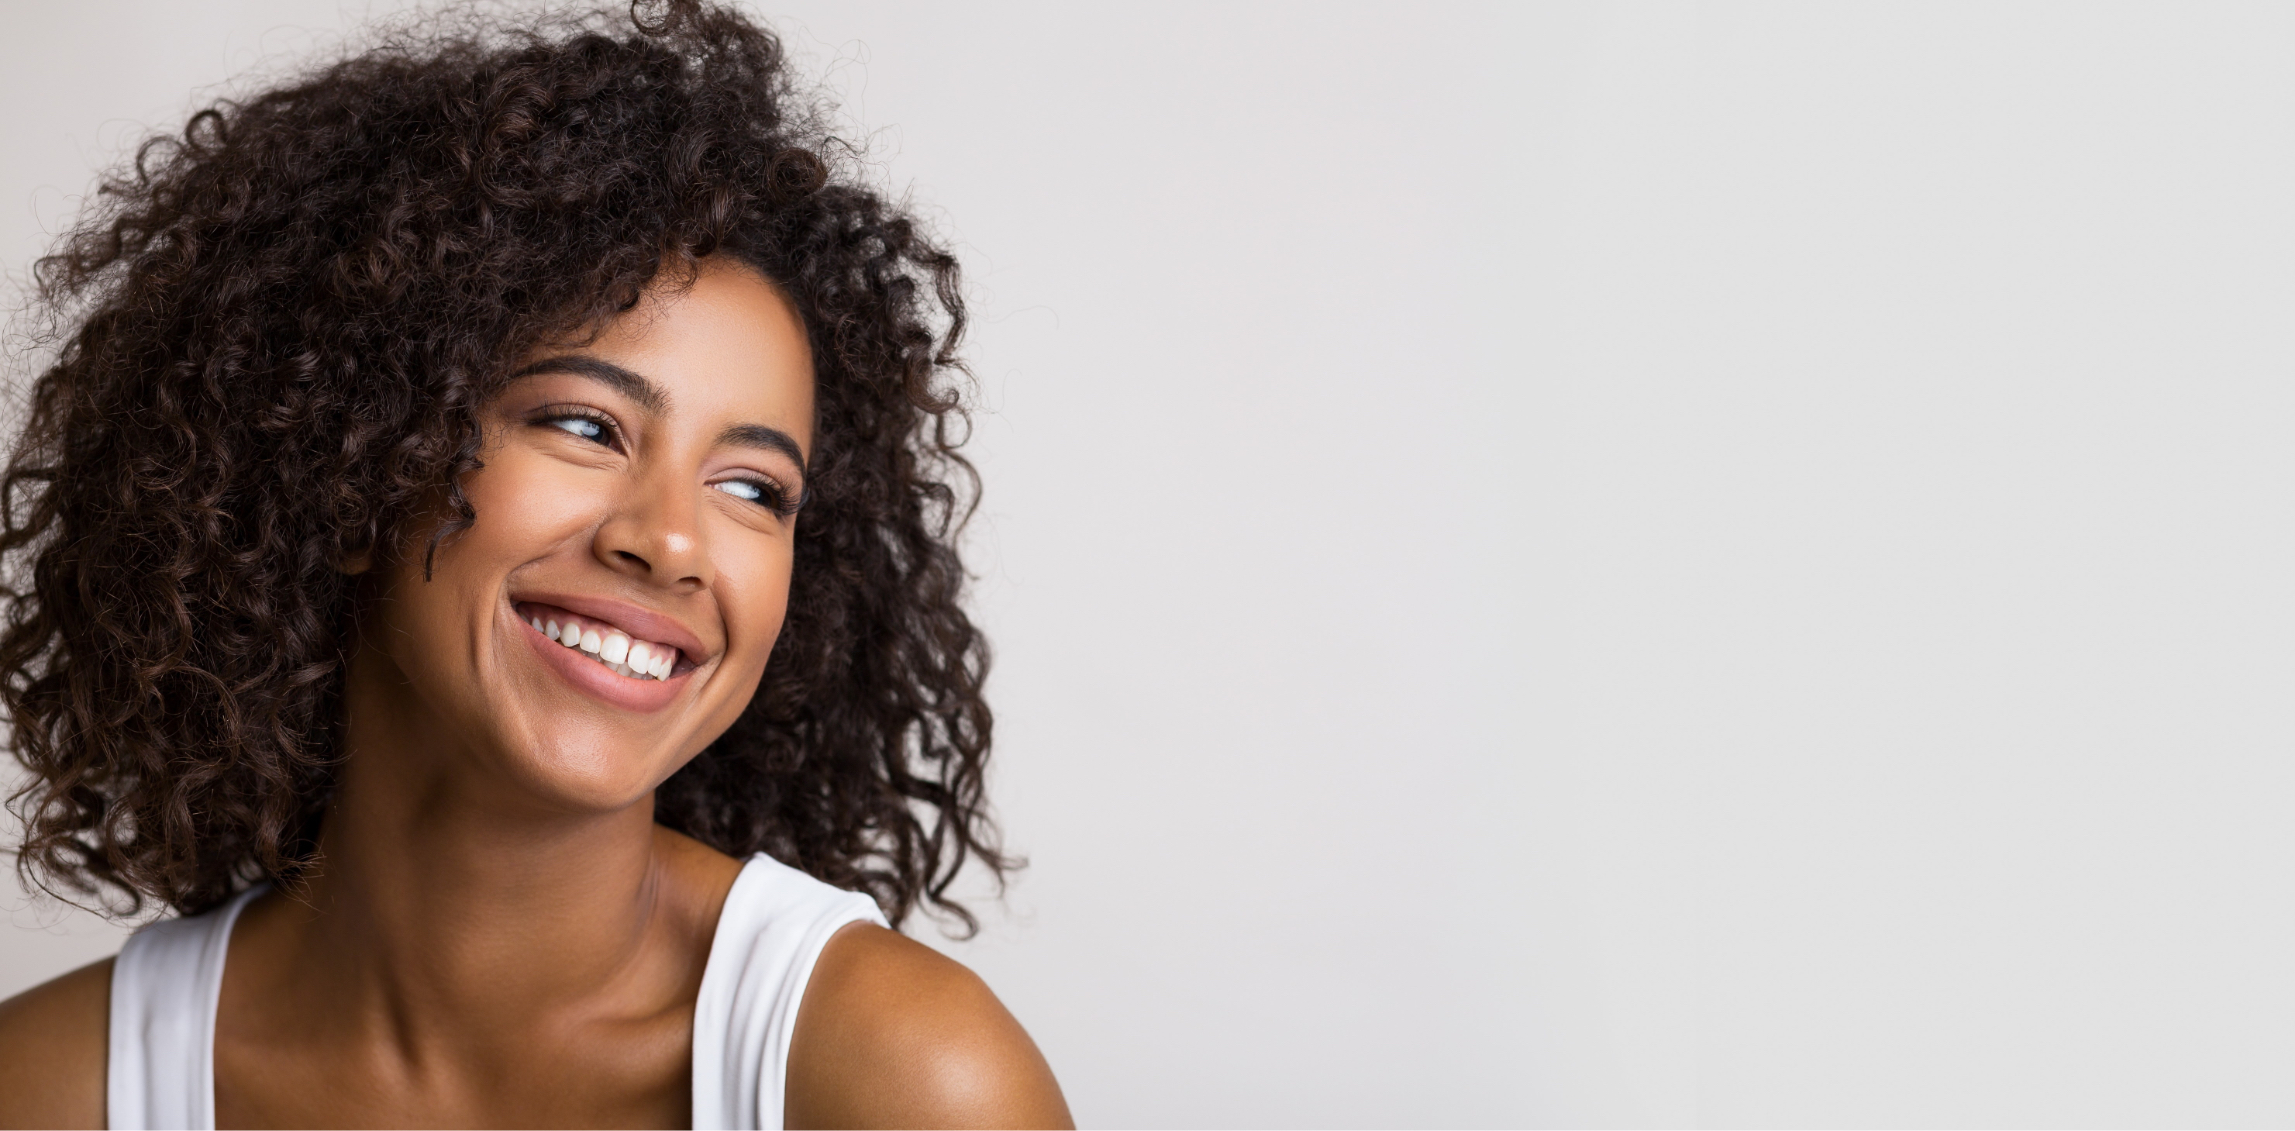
(1640, 564)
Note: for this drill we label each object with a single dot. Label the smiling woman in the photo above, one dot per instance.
(638, 500)
(483, 557)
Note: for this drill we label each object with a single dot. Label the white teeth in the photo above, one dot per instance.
(636, 659)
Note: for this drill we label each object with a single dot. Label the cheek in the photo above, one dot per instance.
(525, 507)
(753, 595)
(528, 503)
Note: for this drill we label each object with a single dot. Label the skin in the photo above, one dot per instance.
(499, 935)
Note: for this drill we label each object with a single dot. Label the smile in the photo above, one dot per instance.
(613, 649)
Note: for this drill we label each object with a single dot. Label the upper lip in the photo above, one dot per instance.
(639, 623)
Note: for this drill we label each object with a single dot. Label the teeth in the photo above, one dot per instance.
(617, 650)
(613, 648)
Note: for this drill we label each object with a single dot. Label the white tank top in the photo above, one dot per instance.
(776, 919)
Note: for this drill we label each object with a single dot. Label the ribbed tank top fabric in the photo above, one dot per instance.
(167, 979)
(164, 984)
(776, 921)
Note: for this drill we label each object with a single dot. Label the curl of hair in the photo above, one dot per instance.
(280, 324)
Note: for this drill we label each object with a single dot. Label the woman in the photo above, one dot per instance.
(483, 556)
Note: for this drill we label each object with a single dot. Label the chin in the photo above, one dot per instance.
(585, 779)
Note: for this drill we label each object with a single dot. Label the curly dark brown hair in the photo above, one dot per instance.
(276, 329)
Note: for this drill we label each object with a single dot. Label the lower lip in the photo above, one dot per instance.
(599, 681)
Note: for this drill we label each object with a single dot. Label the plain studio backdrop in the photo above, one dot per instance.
(1639, 564)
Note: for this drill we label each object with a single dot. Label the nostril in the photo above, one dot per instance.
(631, 558)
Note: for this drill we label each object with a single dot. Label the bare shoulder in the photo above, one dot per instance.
(893, 1034)
(53, 1045)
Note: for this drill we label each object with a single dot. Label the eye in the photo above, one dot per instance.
(579, 426)
(762, 492)
(587, 424)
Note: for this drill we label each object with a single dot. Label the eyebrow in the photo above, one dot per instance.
(768, 439)
(655, 400)
(646, 394)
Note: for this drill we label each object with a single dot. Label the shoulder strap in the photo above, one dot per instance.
(776, 921)
(164, 986)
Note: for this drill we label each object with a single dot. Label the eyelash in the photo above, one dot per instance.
(558, 417)
(770, 495)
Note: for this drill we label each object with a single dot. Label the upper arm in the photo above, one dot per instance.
(54, 1040)
(892, 1034)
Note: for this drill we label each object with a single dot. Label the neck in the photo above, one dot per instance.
(451, 904)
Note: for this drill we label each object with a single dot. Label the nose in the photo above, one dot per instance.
(654, 533)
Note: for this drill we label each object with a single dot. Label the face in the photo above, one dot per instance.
(611, 609)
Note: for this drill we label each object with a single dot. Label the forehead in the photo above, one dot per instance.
(728, 347)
